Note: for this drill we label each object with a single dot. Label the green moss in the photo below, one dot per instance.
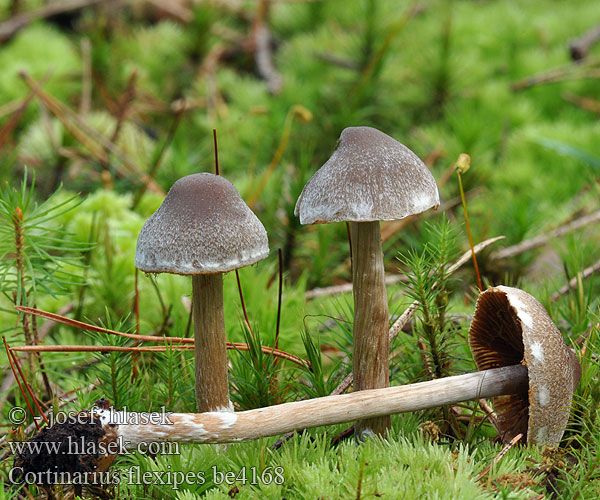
(42, 52)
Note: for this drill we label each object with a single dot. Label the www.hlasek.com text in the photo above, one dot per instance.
(80, 446)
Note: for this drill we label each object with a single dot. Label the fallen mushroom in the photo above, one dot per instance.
(532, 383)
(370, 177)
(509, 327)
(203, 228)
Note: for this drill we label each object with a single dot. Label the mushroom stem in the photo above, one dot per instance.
(371, 342)
(224, 427)
(210, 351)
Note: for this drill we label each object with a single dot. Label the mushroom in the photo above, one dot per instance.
(203, 228)
(370, 177)
(511, 327)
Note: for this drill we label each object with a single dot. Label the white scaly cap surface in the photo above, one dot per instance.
(203, 226)
(369, 177)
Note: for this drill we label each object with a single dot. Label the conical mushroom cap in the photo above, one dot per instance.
(203, 226)
(511, 327)
(370, 176)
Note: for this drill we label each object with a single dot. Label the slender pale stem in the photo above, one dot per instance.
(224, 427)
(371, 318)
(210, 352)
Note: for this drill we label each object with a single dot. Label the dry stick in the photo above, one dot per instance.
(572, 71)
(123, 105)
(498, 457)
(12, 366)
(10, 28)
(586, 103)
(390, 279)
(538, 241)
(238, 346)
(24, 379)
(579, 47)
(225, 427)
(85, 134)
(14, 119)
(10, 107)
(177, 10)
(586, 273)
(264, 57)
(172, 341)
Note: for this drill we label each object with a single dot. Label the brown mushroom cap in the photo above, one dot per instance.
(511, 327)
(203, 226)
(370, 176)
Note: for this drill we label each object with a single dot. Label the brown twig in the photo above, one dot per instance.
(24, 379)
(11, 27)
(586, 273)
(123, 105)
(586, 103)
(491, 414)
(44, 330)
(172, 341)
(177, 10)
(261, 45)
(14, 370)
(538, 241)
(573, 71)
(499, 456)
(390, 279)
(238, 346)
(92, 139)
(17, 114)
(580, 46)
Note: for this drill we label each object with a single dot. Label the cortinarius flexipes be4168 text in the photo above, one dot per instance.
(370, 177)
(203, 228)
